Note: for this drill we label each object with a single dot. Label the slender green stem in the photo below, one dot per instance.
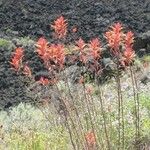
(135, 101)
(120, 111)
(138, 103)
(104, 119)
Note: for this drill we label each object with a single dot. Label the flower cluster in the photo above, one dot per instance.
(42, 45)
(43, 81)
(90, 53)
(80, 44)
(114, 38)
(129, 53)
(16, 60)
(27, 70)
(117, 39)
(60, 27)
(51, 54)
(90, 138)
(95, 48)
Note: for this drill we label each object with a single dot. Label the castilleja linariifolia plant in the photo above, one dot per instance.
(90, 55)
(16, 60)
(121, 48)
(60, 27)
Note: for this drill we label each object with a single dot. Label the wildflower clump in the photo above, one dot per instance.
(60, 27)
(16, 60)
(121, 44)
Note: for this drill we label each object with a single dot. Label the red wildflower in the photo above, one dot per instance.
(50, 53)
(17, 59)
(18, 53)
(74, 30)
(15, 64)
(42, 45)
(60, 27)
(27, 71)
(81, 80)
(129, 39)
(95, 48)
(129, 53)
(89, 90)
(146, 64)
(43, 81)
(83, 58)
(90, 138)
(80, 44)
(56, 53)
(114, 37)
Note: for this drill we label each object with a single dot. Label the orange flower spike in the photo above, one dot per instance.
(27, 71)
(60, 27)
(18, 53)
(90, 138)
(114, 37)
(80, 44)
(81, 80)
(15, 64)
(129, 55)
(95, 48)
(89, 90)
(146, 64)
(83, 58)
(60, 55)
(56, 53)
(17, 59)
(129, 39)
(41, 46)
(117, 27)
(43, 81)
(94, 44)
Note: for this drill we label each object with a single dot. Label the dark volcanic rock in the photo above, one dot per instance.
(33, 17)
(142, 44)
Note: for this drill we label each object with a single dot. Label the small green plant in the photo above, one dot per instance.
(4, 42)
(146, 58)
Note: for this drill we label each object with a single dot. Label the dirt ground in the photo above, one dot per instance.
(32, 18)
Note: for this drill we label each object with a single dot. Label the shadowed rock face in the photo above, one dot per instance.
(142, 44)
(92, 17)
